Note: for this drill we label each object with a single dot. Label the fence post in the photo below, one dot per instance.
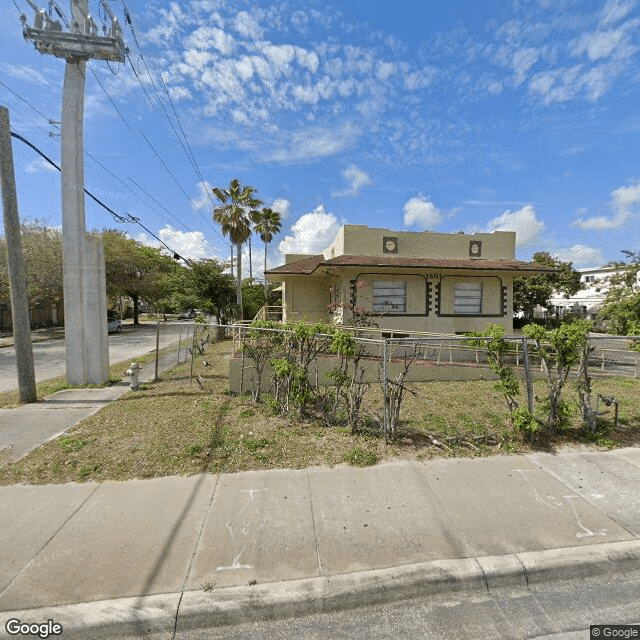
(179, 345)
(193, 352)
(385, 403)
(155, 377)
(527, 374)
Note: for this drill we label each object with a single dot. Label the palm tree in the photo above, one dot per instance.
(266, 223)
(237, 205)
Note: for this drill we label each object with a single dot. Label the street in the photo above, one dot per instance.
(556, 610)
(49, 355)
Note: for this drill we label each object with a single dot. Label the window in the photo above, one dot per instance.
(389, 297)
(589, 278)
(467, 297)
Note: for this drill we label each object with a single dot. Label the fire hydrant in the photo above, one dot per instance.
(132, 371)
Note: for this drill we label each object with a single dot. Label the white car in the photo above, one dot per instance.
(114, 326)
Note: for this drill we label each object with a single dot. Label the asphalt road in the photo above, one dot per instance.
(49, 355)
(557, 610)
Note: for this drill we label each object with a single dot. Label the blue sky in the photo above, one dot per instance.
(464, 115)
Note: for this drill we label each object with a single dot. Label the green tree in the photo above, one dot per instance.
(214, 288)
(559, 350)
(237, 205)
(133, 269)
(253, 298)
(532, 291)
(621, 307)
(266, 223)
(42, 251)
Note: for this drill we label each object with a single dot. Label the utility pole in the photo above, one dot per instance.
(19, 304)
(85, 296)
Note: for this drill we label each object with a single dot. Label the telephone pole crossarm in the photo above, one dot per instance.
(83, 42)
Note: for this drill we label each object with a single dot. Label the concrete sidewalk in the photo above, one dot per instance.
(26, 427)
(154, 555)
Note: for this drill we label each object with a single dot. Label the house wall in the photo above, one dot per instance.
(306, 298)
(363, 240)
(430, 300)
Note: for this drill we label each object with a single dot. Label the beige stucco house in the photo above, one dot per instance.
(405, 281)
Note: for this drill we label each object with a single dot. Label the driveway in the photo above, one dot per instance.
(49, 355)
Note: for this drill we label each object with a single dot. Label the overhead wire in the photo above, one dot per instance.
(94, 159)
(184, 141)
(119, 218)
(188, 153)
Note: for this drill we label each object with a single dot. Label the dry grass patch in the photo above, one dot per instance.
(188, 422)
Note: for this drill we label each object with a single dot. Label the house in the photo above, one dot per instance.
(405, 281)
(595, 283)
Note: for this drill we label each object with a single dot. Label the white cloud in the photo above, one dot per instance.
(311, 233)
(40, 165)
(203, 199)
(615, 10)
(188, 244)
(309, 143)
(23, 72)
(384, 70)
(205, 38)
(281, 206)
(603, 44)
(356, 179)
(247, 26)
(524, 222)
(169, 24)
(625, 202)
(582, 256)
(420, 212)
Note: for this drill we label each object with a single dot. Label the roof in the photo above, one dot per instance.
(309, 265)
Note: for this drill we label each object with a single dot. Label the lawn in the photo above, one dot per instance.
(189, 422)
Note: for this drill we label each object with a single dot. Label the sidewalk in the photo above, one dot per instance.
(26, 427)
(107, 559)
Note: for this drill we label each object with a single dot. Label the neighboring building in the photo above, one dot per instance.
(41, 315)
(587, 301)
(406, 281)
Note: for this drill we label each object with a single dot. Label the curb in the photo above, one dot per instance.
(166, 613)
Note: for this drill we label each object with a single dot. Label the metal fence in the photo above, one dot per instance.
(386, 359)
(609, 355)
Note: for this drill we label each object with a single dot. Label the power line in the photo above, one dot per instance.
(188, 153)
(187, 149)
(164, 164)
(122, 219)
(94, 159)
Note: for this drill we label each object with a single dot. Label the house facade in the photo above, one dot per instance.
(595, 284)
(405, 281)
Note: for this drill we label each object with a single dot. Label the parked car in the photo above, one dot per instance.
(187, 314)
(114, 325)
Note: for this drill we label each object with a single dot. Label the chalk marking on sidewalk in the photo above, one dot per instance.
(245, 530)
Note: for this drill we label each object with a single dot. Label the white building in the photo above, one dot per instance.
(587, 301)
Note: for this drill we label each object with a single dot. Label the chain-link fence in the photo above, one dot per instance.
(178, 342)
(255, 360)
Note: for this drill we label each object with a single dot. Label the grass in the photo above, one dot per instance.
(59, 383)
(185, 424)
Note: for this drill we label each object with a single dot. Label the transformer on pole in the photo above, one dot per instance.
(85, 297)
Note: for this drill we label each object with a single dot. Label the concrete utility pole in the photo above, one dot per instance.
(85, 295)
(19, 304)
